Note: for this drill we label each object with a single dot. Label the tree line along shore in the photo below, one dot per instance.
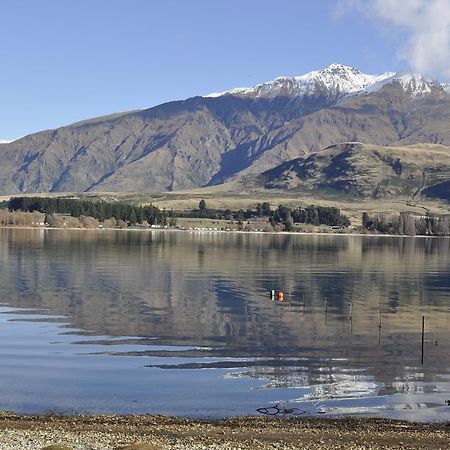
(63, 212)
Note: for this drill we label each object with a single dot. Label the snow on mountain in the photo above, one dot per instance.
(412, 83)
(336, 81)
(4, 141)
(415, 84)
(446, 87)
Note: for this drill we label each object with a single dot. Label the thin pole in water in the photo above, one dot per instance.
(351, 317)
(326, 312)
(423, 336)
(379, 325)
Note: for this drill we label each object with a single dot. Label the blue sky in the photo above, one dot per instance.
(67, 60)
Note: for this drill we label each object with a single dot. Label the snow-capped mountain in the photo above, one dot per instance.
(337, 80)
(207, 141)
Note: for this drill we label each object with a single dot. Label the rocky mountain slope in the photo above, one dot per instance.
(359, 170)
(208, 140)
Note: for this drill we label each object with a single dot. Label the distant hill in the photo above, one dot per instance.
(359, 170)
(205, 141)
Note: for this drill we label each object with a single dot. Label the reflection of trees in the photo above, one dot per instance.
(212, 289)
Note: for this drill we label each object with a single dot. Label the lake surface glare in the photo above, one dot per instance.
(182, 323)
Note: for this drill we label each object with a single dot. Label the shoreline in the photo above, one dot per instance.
(200, 231)
(145, 432)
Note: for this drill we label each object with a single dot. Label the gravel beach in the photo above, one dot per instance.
(160, 432)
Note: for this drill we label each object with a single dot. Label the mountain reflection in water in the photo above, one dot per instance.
(182, 323)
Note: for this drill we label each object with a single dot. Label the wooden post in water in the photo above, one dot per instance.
(423, 336)
(351, 317)
(326, 312)
(379, 325)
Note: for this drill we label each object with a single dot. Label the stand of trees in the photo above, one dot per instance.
(407, 224)
(128, 214)
(314, 215)
(100, 210)
(19, 218)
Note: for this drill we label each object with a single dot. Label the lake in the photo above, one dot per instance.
(182, 323)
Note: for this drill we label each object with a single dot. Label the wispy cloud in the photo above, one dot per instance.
(425, 23)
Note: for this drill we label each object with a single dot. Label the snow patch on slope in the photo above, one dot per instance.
(446, 87)
(412, 83)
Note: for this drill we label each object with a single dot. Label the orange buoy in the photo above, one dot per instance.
(280, 296)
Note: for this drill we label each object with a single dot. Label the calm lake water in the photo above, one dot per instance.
(182, 323)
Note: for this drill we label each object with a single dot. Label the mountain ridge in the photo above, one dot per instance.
(204, 141)
(337, 79)
(366, 171)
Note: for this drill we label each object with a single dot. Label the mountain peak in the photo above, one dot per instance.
(340, 69)
(336, 81)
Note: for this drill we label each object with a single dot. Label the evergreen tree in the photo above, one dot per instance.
(132, 219)
(265, 209)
